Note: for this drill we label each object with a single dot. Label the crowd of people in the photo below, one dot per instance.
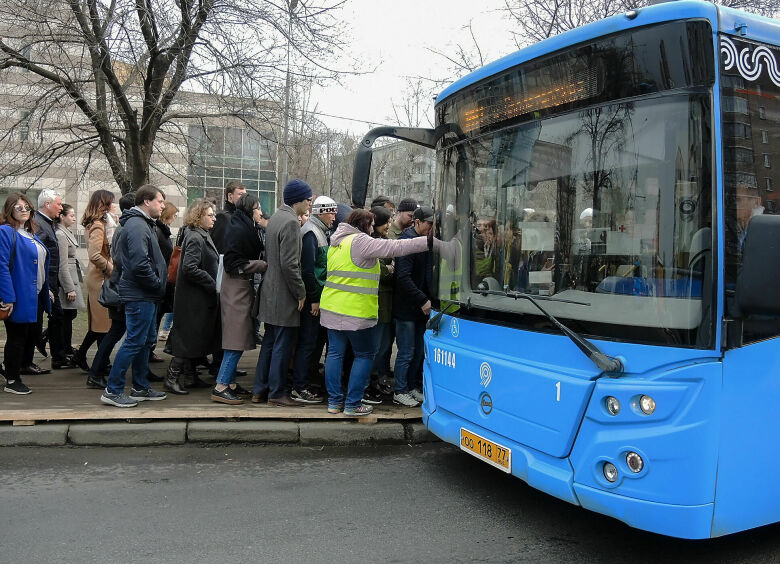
(315, 274)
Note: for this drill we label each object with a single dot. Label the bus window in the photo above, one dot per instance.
(751, 163)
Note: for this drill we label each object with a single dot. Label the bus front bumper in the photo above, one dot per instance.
(555, 477)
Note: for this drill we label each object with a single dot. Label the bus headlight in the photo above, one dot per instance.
(613, 405)
(610, 472)
(647, 405)
(634, 462)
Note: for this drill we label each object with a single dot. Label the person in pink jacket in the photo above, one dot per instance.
(358, 331)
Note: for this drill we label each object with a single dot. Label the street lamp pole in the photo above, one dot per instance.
(291, 5)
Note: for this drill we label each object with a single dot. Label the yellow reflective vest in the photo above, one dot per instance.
(350, 289)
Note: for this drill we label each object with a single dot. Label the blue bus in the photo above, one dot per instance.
(607, 328)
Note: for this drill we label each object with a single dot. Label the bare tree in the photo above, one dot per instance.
(540, 19)
(108, 78)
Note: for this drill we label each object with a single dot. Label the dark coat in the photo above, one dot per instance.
(44, 229)
(283, 284)
(242, 243)
(20, 286)
(164, 240)
(144, 272)
(166, 248)
(413, 282)
(196, 330)
(221, 222)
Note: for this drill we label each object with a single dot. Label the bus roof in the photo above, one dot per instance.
(730, 21)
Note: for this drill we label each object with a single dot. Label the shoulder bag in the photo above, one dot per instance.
(173, 265)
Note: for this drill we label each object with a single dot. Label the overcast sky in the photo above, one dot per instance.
(394, 35)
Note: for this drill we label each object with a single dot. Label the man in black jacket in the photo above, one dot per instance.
(49, 207)
(411, 307)
(233, 191)
(314, 269)
(141, 289)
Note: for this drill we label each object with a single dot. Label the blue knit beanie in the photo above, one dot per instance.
(296, 191)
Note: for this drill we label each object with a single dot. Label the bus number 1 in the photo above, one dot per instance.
(557, 391)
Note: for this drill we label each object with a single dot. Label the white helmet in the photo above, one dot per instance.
(587, 212)
(324, 204)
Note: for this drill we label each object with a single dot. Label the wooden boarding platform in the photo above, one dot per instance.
(63, 396)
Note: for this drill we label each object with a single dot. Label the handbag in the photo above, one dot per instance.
(109, 294)
(6, 313)
(173, 266)
(220, 273)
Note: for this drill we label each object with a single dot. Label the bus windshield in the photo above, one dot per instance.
(607, 208)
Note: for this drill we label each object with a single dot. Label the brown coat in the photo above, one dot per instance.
(100, 268)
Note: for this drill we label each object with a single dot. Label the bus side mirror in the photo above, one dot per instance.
(757, 291)
(360, 174)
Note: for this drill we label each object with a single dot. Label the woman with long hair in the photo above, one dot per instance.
(163, 223)
(100, 267)
(241, 262)
(196, 303)
(70, 276)
(349, 307)
(24, 264)
(381, 373)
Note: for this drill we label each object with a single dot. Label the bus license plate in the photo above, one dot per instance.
(492, 453)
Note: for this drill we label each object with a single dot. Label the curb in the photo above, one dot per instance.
(270, 432)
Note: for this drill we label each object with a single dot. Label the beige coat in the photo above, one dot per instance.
(100, 268)
(236, 297)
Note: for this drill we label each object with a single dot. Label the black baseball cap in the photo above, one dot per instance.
(424, 213)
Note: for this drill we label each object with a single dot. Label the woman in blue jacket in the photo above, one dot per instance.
(24, 284)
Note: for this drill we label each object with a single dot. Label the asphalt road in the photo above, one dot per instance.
(429, 503)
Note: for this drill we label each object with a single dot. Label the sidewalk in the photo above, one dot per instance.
(62, 410)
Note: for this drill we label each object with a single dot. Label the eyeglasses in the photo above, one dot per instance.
(22, 208)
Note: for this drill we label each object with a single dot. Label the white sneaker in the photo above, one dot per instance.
(417, 394)
(407, 400)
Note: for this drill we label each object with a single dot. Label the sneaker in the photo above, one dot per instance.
(405, 399)
(417, 394)
(225, 396)
(384, 387)
(163, 335)
(335, 408)
(147, 395)
(16, 387)
(241, 393)
(305, 396)
(118, 400)
(358, 411)
(372, 397)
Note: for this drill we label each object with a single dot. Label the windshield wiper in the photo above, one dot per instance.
(435, 321)
(611, 365)
(519, 295)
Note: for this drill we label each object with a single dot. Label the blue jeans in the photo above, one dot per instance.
(271, 370)
(308, 334)
(363, 343)
(385, 335)
(408, 361)
(227, 368)
(167, 322)
(141, 322)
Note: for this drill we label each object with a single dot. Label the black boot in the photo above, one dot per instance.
(41, 344)
(172, 383)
